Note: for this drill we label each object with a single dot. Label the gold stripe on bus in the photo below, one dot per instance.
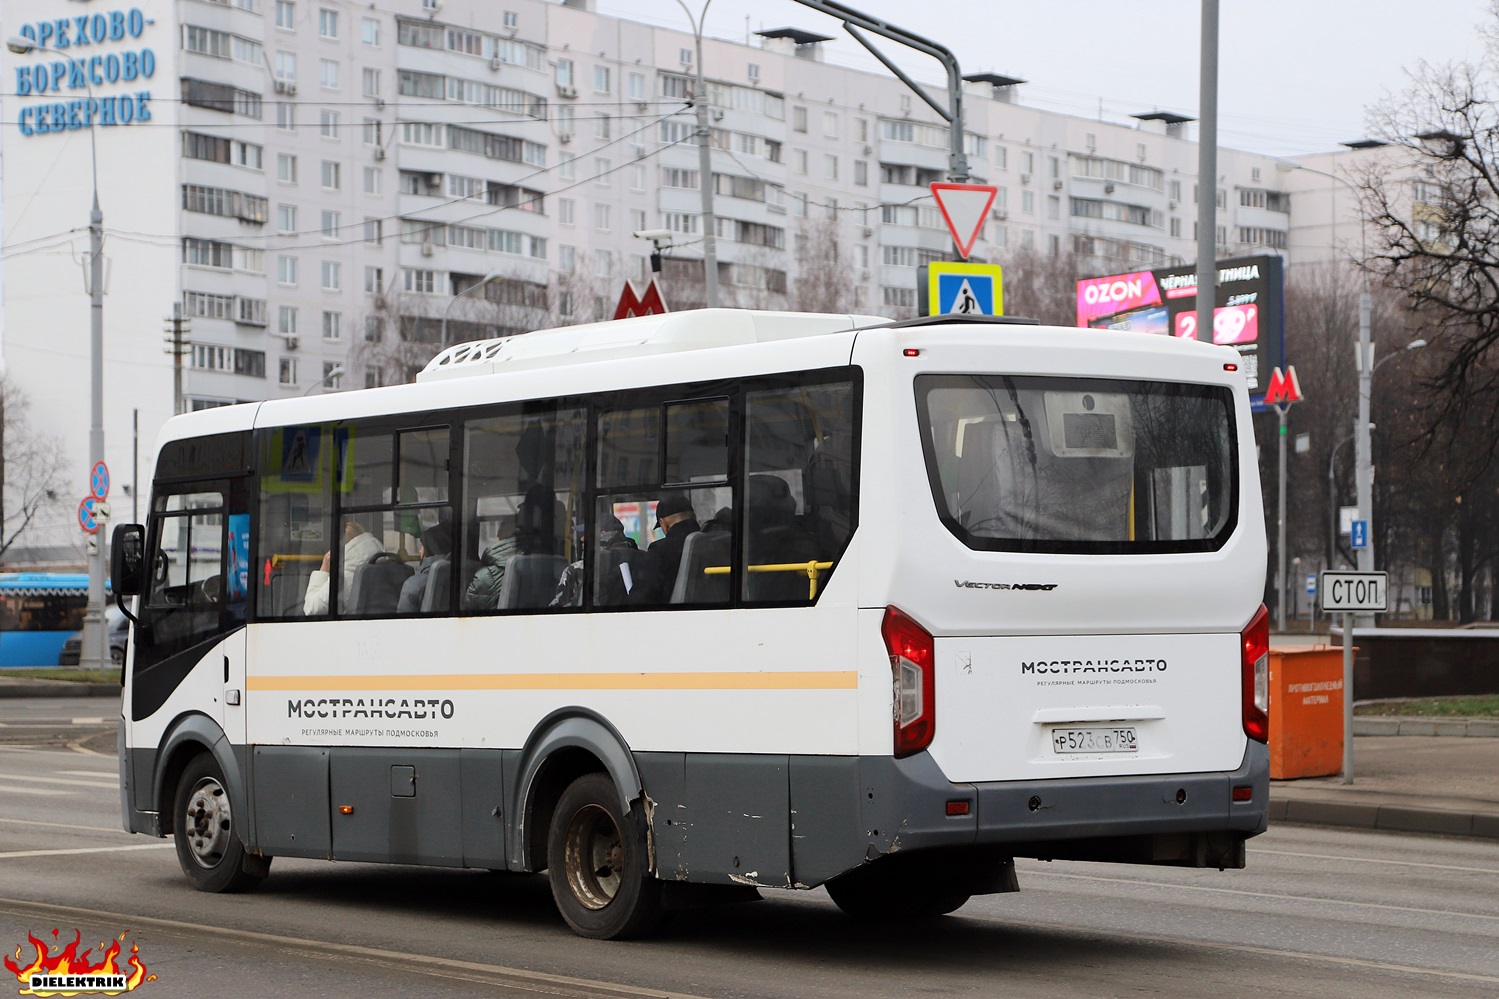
(814, 680)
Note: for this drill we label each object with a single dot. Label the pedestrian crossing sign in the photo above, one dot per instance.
(964, 289)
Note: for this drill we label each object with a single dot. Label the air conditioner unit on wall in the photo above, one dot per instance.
(286, 87)
(496, 63)
(1056, 185)
(565, 90)
(379, 152)
(564, 137)
(428, 249)
(1108, 188)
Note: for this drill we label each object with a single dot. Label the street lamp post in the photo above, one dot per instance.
(704, 161)
(1364, 474)
(478, 284)
(93, 652)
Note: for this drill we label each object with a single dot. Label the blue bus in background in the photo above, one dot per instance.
(38, 611)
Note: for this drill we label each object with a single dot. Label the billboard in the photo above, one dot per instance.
(1248, 309)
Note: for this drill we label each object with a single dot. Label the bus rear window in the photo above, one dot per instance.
(1079, 465)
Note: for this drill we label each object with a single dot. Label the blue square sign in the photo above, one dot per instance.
(1358, 536)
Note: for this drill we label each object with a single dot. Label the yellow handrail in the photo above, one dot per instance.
(281, 561)
(810, 568)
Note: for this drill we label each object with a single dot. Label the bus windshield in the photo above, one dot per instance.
(1047, 464)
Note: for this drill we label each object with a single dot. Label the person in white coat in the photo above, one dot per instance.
(359, 547)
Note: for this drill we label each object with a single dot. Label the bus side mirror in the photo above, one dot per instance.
(127, 559)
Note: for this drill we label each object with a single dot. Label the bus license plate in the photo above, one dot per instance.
(1094, 740)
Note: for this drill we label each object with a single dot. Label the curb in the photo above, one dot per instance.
(1384, 818)
(1480, 728)
(27, 687)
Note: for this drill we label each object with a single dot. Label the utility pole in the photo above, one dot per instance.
(176, 338)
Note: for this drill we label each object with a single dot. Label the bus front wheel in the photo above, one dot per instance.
(209, 847)
(597, 864)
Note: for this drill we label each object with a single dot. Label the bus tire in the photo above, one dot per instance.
(597, 864)
(209, 847)
(896, 893)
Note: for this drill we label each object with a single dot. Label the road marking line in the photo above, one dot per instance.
(89, 773)
(88, 721)
(60, 780)
(42, 791)
(438, 967)
(1372, 860)
(13, 854)
(1266, 894)
(64, 825)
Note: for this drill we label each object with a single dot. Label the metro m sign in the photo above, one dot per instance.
(632, 303)
(1284, 389)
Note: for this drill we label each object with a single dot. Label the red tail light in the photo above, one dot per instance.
(912, 669)
(1255, 666)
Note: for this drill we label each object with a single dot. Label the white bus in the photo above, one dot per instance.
(930, 596)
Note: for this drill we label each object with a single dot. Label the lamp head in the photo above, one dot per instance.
(20, 44)
(1286, 166)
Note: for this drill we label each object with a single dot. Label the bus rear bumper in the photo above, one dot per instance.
(1188, 819)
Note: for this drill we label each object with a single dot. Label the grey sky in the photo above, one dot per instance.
(1295, 75)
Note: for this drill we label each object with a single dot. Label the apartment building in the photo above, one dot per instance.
(327, 191)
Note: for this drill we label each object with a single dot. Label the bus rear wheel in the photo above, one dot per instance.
(209, 847)
(597, 864)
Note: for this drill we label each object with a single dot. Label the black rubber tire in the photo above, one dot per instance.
(209, 847)
(598, 866)
(892, 892)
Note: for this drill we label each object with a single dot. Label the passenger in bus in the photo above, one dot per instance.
(722, 522)
(612, 537)
(436, 546)
(658, 570)
(533, 536)
(359, 547)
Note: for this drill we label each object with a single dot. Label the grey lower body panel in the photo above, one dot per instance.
(747, 819)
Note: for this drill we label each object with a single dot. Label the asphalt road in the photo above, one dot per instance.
(1318, 913)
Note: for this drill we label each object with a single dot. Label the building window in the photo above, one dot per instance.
(830, 166)
(565, 210)
(564, 73)
(327, 23)
(332, 380)
(332, 275)
(372, 180)
(601, 79)
(288, 371)
(602, 168)
(286, 15)
(601, 126)
(861, 173)
(567, 258)
(371, 82)
(419, 281)
(286, 116)
(328, 73)
(369, 31)
(330, 224)
(373, 230)
(374, 280)
(636, 85)
(798, 119)
(328, 124)
(286, 320)
(286, 66)
(602, 217)
(286, 218)
(286, 271)
(332, 325)
(830, 124)
(373, 132)
(799, 161)
(374, 329)
(512, 20)
(331, 175)
(565, 168)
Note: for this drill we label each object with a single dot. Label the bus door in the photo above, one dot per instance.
(193, 610)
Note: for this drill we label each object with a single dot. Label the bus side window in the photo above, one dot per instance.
(523, 494)
(798, 510)
(295, 525)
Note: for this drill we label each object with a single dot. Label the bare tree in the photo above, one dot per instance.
(1041, 286)
(822, 279)
(1435, 205)
(30, 468)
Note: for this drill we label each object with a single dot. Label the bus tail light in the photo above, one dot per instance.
(1255, 666)
(912, 668)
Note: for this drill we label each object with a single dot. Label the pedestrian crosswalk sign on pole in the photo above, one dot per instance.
(964, 289)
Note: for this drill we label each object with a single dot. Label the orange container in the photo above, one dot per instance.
(1306, 711)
